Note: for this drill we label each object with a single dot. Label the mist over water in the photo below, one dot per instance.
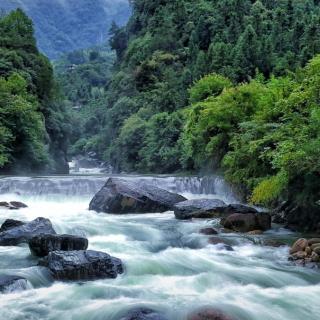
(169, 266)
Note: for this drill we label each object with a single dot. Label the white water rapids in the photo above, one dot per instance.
(169, 266)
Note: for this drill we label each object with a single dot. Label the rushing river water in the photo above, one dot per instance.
(169, 266)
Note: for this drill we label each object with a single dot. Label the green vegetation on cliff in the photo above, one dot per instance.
(33, 122)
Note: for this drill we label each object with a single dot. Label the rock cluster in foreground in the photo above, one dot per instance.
(64, 255)
(306, 252)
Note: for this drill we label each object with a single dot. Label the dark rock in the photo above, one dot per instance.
(273, 243)
(245, 222)
(199, 208)
(25, 232)
(219, 241)
(120, 196)
(143, 314)
(10, 224)
(10, 284)
(18, 204)
(239, 208)
(208, 231)
(82, 265)
(209, 314)
(43, 244)
(4, 204)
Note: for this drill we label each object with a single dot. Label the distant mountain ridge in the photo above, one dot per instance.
(67, 25)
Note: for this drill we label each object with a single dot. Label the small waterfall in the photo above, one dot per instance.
(209, 186)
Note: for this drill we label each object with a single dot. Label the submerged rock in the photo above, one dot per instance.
(43, 244)
(82, 265)
(143, 314)
(241, 222)
(199, 208)
(209, 314)
(10, 224)
(208, 231)
(119, 196)
(222, 243)
(10, 284)
(25, 232)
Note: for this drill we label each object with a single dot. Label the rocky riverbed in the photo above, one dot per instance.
(190, 269)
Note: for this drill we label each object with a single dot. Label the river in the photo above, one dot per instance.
(169, 266)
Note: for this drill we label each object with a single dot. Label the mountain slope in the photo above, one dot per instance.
(66, 25)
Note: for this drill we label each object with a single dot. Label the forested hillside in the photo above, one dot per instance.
(154, 122)
(67, 25)
(34, 124)
(83, 76)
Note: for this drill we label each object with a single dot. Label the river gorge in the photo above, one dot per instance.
(168, 265)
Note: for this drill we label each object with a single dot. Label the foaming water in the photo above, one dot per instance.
(169, 266)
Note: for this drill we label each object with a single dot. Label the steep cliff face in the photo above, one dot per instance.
(66, 25)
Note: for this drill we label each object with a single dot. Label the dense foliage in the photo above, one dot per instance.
(33, 122)
(67, 25)
(83, 76)
(168, 45)
(265, 134)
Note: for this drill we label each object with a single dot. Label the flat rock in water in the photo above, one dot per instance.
(209, 314)
(143, 314)
(245, 222)
(82, 265)
(199, 208)
(10, 224)
(10, 284)
(43, 244)
(120, 196)
(25, 232)
(18, 204)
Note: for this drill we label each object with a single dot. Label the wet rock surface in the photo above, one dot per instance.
(143, 314)
(23, 233)
(9, 284)
(13, 205)
(209, 314)
(208, 231)
(10, 224)
(120, 196)
(246, 222)
(199, 208)
(81, 265)
(43, 244)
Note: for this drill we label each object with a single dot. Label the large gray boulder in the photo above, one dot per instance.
(9, 284)
(199, 208)
(25, 232)
(43, 244)
(119, 196)
(81, 265)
